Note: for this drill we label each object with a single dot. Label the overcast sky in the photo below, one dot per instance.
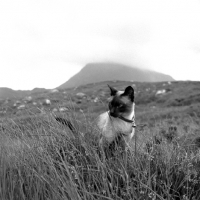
(45, 42)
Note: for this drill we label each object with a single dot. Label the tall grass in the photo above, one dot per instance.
(42, 159)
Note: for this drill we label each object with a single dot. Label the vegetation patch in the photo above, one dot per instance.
(41, 158)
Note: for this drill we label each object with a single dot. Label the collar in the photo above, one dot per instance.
(127, 120)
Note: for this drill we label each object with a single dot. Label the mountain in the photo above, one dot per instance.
(38, 90)
(9, 93)
(98, 72)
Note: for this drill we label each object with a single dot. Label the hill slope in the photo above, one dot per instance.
(98, 72)
(9, 93)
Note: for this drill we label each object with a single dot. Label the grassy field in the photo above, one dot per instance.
(42, 159)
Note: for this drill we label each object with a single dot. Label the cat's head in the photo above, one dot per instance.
(122, 103)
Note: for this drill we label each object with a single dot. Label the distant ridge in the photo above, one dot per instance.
(9, 93)
(98, 72)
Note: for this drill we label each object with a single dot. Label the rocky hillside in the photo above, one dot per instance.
(98, 72)
(152, 99)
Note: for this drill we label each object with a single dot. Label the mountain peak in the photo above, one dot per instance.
(98, 72)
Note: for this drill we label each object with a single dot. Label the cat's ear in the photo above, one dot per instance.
(113, 91)
(129, 91)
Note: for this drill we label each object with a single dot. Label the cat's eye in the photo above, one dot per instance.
(121, 105)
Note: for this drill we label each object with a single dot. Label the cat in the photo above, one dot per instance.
(119, 121)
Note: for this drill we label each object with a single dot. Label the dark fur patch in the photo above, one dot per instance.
(122, 103)
(129, 92)
(113, 91)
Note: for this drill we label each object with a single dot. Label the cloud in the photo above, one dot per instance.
(61, 37)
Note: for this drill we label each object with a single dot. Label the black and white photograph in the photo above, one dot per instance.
(100, 100)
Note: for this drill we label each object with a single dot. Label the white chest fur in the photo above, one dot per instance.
(111, 127)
